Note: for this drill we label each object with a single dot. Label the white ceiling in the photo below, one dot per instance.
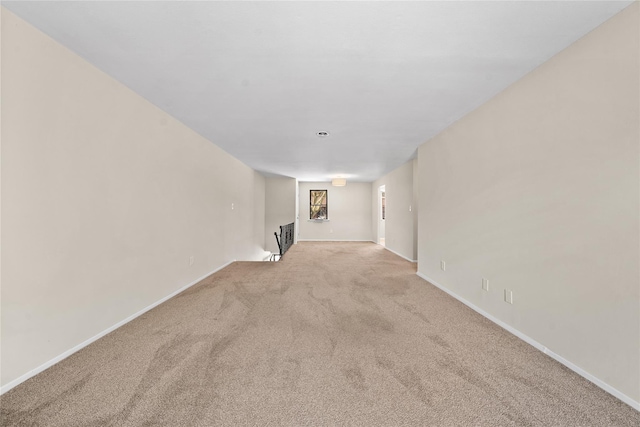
(259, 79)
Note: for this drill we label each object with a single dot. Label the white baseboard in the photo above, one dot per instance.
(606, 387)
(5, 388)
(400, 255)
(332, 240)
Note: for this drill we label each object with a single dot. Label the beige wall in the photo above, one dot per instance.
(538, 191)
(415, 206)
(104, 200)
(349, 212)
(280, 207)
(400, 229)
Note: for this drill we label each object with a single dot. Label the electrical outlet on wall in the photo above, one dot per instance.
(485, 284)
(443, 266)
(508, 296)
(191, 259)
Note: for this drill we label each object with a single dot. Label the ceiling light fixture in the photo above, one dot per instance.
(338, 182)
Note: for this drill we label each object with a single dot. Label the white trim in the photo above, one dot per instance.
(333, 240)
(606, 387)
(5, 388)
(400, 255)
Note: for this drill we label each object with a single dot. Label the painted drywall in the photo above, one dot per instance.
(280, 207)
(349, 212)
(382, 222)
(104, 200)
(259, 213)
(538, 191)
(415, 206)
(400, 228)
(378, 222)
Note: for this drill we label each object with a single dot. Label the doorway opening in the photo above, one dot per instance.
(382, 214)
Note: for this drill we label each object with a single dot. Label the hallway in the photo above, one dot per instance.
(334, 334)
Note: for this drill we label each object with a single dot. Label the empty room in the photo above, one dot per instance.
(320, 213)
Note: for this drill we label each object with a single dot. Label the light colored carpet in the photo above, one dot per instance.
(334, 334)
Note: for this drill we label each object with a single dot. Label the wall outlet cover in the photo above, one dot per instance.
(508, 296)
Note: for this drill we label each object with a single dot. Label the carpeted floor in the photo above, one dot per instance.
(334, 334)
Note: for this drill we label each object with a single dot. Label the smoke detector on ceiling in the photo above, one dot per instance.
(322, 134)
